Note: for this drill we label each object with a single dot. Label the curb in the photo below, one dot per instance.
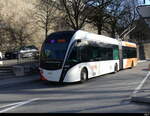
(140, 99)
(140, 61)
(143, 99)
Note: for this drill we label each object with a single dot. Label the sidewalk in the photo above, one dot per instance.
(142, 92)
(10, 74)
(140, 61)
(143, 95)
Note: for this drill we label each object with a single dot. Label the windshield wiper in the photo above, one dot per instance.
(48, 61)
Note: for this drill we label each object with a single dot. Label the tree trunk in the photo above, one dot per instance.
(113, 29)
(99, 29)
(46, 32)
(46, 27)
(113, 33)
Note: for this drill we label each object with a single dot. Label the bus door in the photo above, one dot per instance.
(120, 57)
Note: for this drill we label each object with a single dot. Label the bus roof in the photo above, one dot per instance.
(83, 35)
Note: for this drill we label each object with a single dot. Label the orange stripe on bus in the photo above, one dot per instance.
(129, 62)
(42, 77)
(129, 44)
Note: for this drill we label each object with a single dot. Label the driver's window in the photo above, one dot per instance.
(73, 57)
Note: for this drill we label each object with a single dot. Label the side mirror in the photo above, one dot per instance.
(78, 41)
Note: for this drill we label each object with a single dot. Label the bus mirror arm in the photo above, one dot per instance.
(67, 66)
(78, 41)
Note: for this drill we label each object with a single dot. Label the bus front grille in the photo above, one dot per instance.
(51, 66)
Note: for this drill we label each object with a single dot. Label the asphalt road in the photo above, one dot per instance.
(110, 93)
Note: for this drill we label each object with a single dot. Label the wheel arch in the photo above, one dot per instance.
(86, 69)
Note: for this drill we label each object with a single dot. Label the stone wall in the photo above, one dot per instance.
(147, 50)
(143, 51)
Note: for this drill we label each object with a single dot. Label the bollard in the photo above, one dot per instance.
(1, 63)
(149, 67)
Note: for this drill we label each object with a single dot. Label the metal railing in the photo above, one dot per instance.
(30, 61)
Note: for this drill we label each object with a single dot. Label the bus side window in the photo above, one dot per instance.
(84, 53)
(115, 52)
(124, 53)
(73, 58)
(110, 53)
(129, 52)
(106, 53)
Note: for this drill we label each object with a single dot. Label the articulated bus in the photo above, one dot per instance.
(76, 56)
(129, 51)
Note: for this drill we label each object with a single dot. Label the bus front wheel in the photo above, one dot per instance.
(84, 75)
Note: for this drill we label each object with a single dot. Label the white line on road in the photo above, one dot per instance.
(15, 105)
(141, 84)
(10, 105)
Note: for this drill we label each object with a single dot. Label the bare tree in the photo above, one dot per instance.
(76, 12)
(22, 32)
(6, 39)
(126, 21)
(99, 15)
(45, 14)
(115, 12)
(15, 30)
(19, 32)
(2, 40)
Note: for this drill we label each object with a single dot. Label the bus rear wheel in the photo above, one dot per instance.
(116, 68)
(84, 75)
(132, 65)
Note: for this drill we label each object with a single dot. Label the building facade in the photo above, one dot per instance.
(141, 34)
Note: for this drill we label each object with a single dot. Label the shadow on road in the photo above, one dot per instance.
(146, 69)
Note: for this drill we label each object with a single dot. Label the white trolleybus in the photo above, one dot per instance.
(72, 56)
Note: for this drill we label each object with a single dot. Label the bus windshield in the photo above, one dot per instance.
(54, 49)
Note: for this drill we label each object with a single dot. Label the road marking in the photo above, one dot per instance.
(16, 105)
(10, 105)
(141, 84)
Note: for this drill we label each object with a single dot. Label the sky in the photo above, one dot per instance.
(147, 2)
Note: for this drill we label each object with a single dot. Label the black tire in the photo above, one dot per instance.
(84, 75)
(116, 68)
(132, 65)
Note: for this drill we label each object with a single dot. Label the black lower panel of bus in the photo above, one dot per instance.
(64, 72)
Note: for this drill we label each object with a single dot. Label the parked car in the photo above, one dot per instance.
(23, 52)
(28, 51)
(11, 54)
